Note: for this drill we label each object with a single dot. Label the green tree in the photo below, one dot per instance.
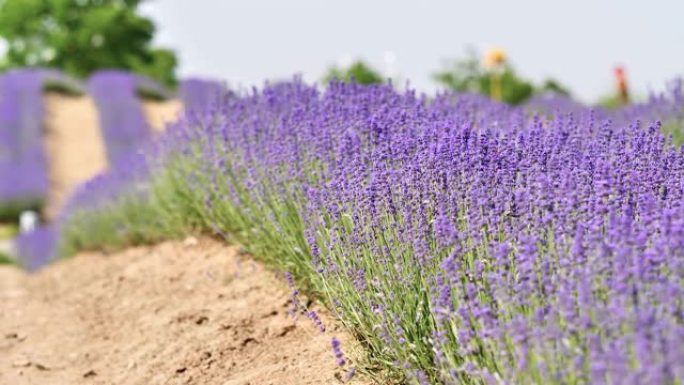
(465, 75)
(361, 72)
(551, 85)
(468, 75)
(82, 36)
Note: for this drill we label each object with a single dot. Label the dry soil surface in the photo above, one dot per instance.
(191, 312)
(74, 146)
(160, 113)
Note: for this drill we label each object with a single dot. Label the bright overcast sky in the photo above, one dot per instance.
(576, 41)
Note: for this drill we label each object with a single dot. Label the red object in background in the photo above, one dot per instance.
(623, 92)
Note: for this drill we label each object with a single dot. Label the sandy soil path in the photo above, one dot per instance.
(192, 312)
(160, 113)
(73, 144)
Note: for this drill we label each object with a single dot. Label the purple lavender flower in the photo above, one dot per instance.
(313, 316)
(350, 374)
(337, 351)
(295, 304)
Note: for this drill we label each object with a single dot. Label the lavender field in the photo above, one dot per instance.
(461, 240)
(362, 193)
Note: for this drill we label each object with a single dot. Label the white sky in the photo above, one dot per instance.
(576, 41)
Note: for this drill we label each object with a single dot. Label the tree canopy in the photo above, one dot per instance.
(359, 71)
(82, 36)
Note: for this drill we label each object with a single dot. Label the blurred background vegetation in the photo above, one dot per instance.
(83, 36)
(469, 74)
(358, 71)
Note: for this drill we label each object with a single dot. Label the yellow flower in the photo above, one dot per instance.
(494, 58)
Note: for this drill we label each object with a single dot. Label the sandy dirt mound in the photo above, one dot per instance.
(192, 312)
(159, 113)
(73, 145)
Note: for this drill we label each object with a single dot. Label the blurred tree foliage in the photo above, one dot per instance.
(469, 75)
(551, 85)
(82, 36)
(361, 72)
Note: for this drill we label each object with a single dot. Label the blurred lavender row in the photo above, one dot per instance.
(201, 93)
(22, 162)
(23, 170)
(122, 119)
(665, 106)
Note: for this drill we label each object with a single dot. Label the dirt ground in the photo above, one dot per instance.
(73, 145)
(159, 113)
(190, 312)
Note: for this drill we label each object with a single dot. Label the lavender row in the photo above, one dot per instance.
(462, 240)
(122, 119)
(23, 170)
(197, 94)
